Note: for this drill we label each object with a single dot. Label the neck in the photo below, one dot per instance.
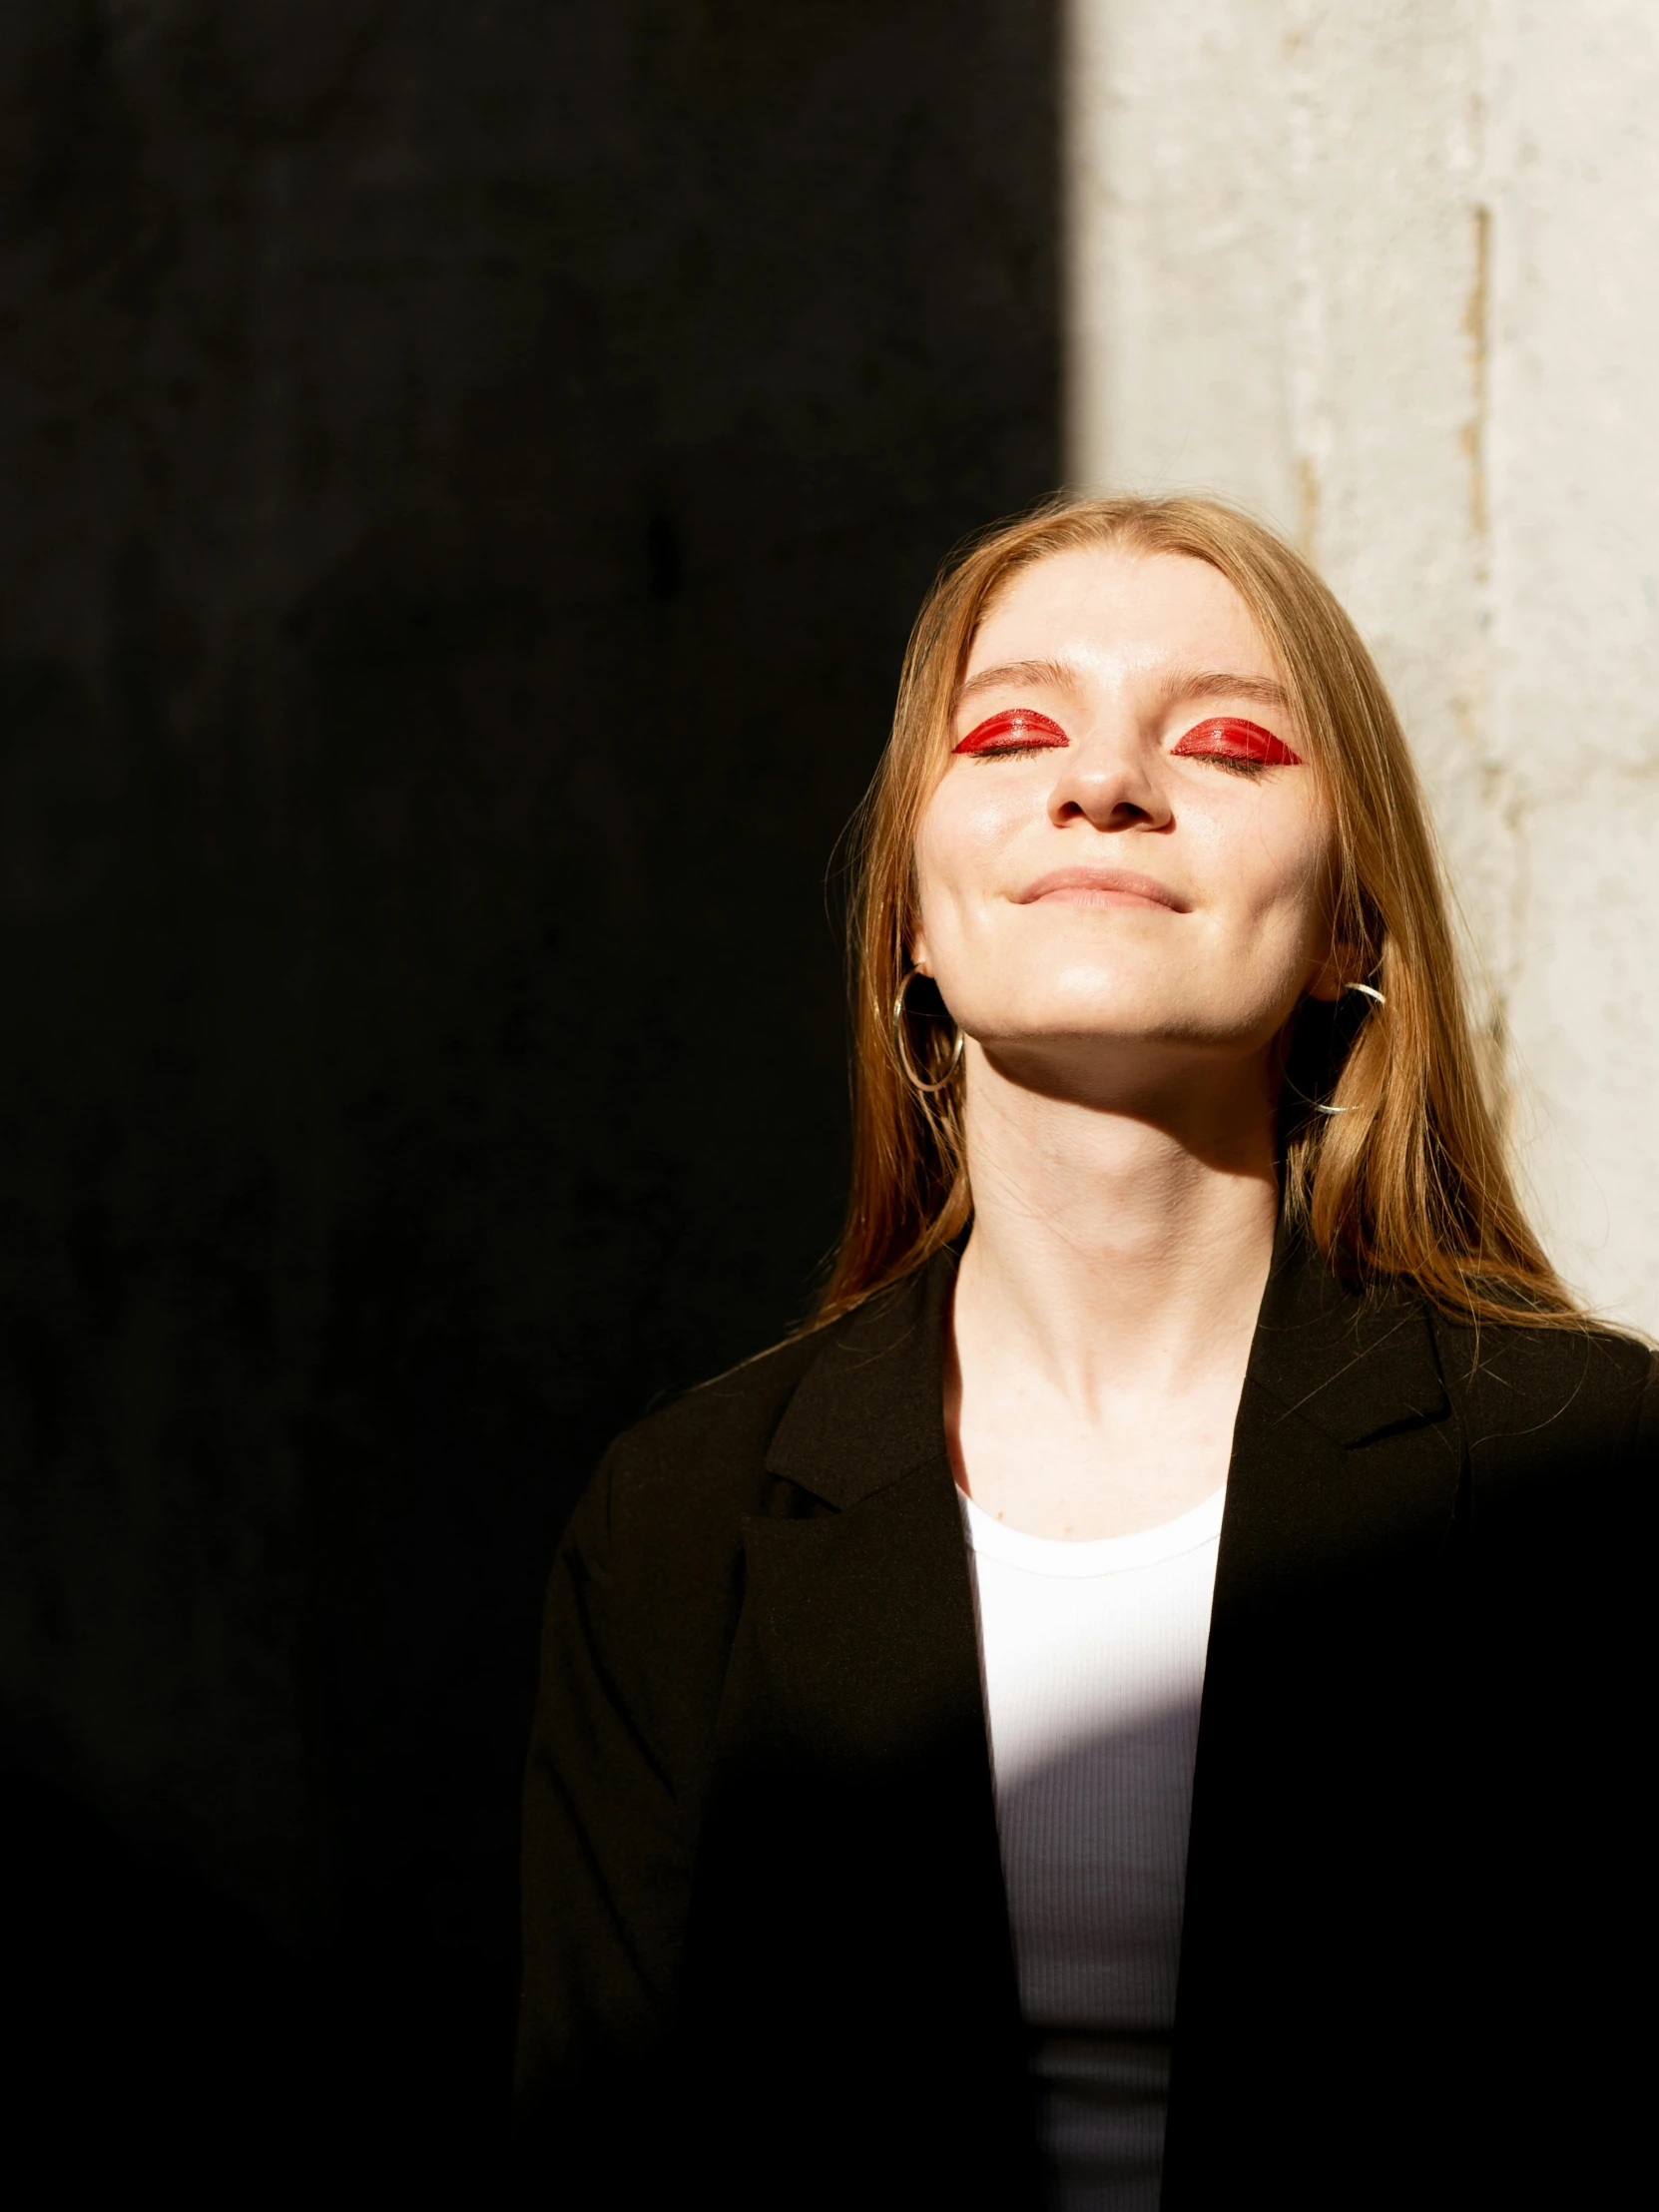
(1120, 1248)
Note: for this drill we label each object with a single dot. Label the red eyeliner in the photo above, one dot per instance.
(1227, 738)
(1017, 726)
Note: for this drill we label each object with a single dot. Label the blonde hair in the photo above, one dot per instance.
(1408, 1181)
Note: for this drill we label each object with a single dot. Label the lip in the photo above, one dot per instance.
(1101, 887)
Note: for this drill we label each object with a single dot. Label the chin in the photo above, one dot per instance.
(1150, 1018)
(1092, 1030)
(1113, 1008)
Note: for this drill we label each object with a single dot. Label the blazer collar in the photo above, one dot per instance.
(870, 1409)
(1353, 1363)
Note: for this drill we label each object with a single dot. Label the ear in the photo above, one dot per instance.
(1331, 977)
(918, 952)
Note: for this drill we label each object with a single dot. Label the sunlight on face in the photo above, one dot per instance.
(1126, 851)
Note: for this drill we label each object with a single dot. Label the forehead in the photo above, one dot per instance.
(1111, 611)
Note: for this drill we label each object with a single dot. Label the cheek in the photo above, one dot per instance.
(1269, 858)
(963, 837)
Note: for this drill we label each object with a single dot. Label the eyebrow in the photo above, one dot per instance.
(1209, 683)
(1053, 673)
(1180, 685)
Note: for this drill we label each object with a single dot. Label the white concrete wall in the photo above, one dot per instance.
(1387, 271)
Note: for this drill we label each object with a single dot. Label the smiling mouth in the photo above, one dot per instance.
(1100, 887)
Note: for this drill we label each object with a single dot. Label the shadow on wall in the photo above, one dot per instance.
(471, 472)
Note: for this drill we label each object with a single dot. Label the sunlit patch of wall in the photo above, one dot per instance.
(1387, 272)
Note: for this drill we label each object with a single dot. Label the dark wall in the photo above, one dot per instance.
(469, 469)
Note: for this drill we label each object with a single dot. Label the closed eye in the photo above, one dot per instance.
(1015, 730)
(1232, 743)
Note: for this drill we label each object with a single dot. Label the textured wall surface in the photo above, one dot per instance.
(1389, 273)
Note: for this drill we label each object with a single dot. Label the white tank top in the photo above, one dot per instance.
(1093, 1659)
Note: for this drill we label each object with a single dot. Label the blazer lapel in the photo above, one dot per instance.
(1310, 1878)
(852, 1764)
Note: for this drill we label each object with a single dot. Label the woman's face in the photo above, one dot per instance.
(1126, 861)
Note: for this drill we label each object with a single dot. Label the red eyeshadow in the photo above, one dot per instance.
(1017, 726)
(1228, 739)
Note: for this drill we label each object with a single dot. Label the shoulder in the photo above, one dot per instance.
(798, 1429)
(663, 1513)
(646, 1583)
(1586, 1392)
(708, 1448)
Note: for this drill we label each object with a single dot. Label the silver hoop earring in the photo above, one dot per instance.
(902, 1049)
(1367, 990)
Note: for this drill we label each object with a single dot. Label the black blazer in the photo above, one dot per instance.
(767, 1950)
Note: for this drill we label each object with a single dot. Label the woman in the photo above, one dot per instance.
(1134, 1705)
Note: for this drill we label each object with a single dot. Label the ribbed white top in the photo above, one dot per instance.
(1093, 1657)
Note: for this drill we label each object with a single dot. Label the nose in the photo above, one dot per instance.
(1112, 781)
